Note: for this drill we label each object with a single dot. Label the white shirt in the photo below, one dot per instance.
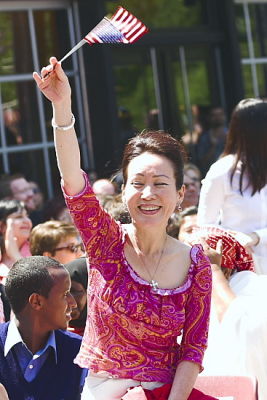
(238, 344)
(222, 203)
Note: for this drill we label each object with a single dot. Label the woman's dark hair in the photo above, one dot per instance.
(8, 207)
(247, 139)
(156, 142)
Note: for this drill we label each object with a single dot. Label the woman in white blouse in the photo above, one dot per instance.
(234, 191)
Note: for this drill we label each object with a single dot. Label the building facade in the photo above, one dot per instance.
(198, 54)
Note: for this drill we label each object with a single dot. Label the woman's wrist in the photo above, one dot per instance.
(64, 127)
(255, 238)
(62, 114)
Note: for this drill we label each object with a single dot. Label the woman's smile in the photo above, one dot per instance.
(149, 209)
(150, 190)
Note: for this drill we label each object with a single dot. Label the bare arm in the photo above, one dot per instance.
(54, 84)
(11, 244)
(184, 380)
(195, 330)
(222, 294)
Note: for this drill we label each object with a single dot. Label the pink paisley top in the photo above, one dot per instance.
(131, 331)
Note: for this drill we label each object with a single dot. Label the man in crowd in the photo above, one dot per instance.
(192, 179)
(16, 187)
(211, 142)
(36, 351)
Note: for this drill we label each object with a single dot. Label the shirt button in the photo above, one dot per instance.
(31, 366)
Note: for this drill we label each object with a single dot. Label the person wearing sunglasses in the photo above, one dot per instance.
(57, 240)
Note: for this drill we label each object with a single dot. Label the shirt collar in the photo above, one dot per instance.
(13, 337)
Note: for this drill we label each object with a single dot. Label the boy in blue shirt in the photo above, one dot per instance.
(36, 351)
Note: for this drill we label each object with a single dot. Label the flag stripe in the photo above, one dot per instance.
(123, 27)
(129, 26)
(133, 30)
(118, 13)
(141, 32)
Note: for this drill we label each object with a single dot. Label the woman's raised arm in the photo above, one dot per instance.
(54, 84)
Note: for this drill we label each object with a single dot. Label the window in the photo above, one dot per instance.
(30, 33)
(251, 18)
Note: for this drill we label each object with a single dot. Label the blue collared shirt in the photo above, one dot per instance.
(30, 364)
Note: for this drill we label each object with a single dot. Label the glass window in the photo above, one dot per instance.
(136, 100)
(192, 84)
(262, 79)
(252, 34)
(15, 43)
(20, 111)
(241, 30)
(164, 13)
(258, 15)
(261, 75)
(29, 163)
(52, 36)
(247, 79)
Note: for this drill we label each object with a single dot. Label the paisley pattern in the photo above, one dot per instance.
(234, 255)
(131, 331)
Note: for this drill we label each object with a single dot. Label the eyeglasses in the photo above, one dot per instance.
(73, 248)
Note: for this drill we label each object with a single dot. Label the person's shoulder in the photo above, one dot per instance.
(4, 327)
(180, 248)
(198, 256)
(3, 333)
(221, 167)
(67, 338)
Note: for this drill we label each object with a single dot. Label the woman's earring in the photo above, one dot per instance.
(125, 206)
(178, 208)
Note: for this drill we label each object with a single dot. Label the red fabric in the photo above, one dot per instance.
(161, 393)
(234, 255)
(78, 331)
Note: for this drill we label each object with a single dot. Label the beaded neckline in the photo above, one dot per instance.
(161, 291)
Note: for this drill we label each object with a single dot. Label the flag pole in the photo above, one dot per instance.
(78, 45)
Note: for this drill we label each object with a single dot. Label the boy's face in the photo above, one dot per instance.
(56, 309)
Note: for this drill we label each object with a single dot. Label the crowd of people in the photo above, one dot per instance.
(146, 279)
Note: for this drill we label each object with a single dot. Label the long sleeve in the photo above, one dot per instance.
(99, 231)
(211, 199)
(195, 332)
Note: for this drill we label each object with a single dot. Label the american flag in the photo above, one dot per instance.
(122, 27)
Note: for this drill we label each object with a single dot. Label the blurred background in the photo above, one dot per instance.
(200, 56)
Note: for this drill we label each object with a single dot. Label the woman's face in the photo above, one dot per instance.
(20, 224)
(79, 293)
(187, 228)
(67, 250)
(150, 191)
(192, 188)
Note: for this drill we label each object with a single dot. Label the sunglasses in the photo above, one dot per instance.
(73, 248)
